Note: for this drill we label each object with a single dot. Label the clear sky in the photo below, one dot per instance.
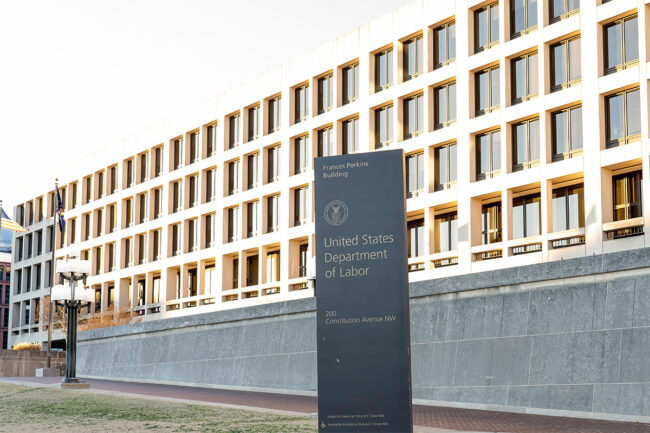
(77, 75)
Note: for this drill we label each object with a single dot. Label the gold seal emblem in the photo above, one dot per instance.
(336, 212)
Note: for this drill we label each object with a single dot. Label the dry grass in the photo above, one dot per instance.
(27, 346)
(36, 410)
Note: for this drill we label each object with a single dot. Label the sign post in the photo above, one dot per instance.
(364, 371)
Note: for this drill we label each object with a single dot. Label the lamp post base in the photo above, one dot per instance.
(77, 384)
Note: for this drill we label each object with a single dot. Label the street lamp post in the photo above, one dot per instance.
(72, 270)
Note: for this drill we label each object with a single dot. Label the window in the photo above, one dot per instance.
(86, 226)
(192, 235)
(413, 116)
(350, 135)
(142, 198)
(566, 132)
(565, 64)
(155, 295)
(444, 44)
(251, 218)
(128, 259)
(195, 147)
(525, 144)
(233, 133)
(627, 196)
(444, 166)
(412, 58)
(178, 154)
(130, 177)
(273, 167)
(273, 267)
(253, 123)
(73, 199)
(157, 202)
(100, 184)
(211, 142)
(445, 105)
(274, 114)
(526, 216)
(233, 177)
(210, 279)
(301, 103)
(415, 237)
(210, 185)
(445, 232)
(621, 40)
(486, 27)
(144, 175)
(158, 152)
(192, 286)
(177, 196)
(325, 93)
(523, 17)
(326, 142)
(303, 257)
(89, 186)
(568, 208)
(488, 157)
(383, 126)
(210, 230)
(233, 228)
(383, 69)
(561, 9)
(350, 83)
(525, 78)
(128, 212)
(111, 257)
(491, 223)
(176, 240)
(111, 296)
(487, 90)
(300, 206)
(142, 249)
(273, 211)
(99, 218)
(623, 117)
(194, 191)
(252, 176)
(301, 154)
(415, 174)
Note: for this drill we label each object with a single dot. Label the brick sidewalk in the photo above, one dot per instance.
(425, 416)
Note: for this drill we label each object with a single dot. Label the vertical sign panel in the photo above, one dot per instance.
(364, 374)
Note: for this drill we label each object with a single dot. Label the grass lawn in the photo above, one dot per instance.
(31, 410)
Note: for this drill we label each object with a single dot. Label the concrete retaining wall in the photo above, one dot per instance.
(23, 363)
(565, 337)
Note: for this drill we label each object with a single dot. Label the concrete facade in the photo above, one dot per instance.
(204, 157)
(509, 340)
(5, 275)
(24, 363)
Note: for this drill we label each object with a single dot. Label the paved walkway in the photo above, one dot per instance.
(428, 419)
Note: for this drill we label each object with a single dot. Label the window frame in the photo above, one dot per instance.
(567, 81)
(573, 151)
(418, 40)
(552, 18)
(528, 28)
(345, 142)
(528, 163)
(418, 116)
(625, 64)
(388, 110)
(436, 98)
(636, 177)
(567, 190)
(436, 158)
(491, 106)
(488, 8)
(419, 174)
(345, 98)
(325, 92)
(525, 201)
(445, 28)
(528, 95)
(492, 172)
(626, 139)
(388, 53)
(487, 231)
(301, 99)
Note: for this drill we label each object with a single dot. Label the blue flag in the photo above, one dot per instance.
(59, 210)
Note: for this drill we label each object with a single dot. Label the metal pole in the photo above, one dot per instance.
(71, 341)
(52, 243)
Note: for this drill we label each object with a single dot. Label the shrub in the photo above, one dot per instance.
(27, 346)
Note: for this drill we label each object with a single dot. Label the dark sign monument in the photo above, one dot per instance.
(364, 373)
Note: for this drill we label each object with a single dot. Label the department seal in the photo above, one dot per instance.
(336, 212)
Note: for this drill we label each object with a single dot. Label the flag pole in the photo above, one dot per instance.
(52, 240)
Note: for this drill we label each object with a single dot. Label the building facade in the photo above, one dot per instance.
(5, 276)
(525, 131)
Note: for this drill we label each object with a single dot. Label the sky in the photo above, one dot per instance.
(78, 75)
